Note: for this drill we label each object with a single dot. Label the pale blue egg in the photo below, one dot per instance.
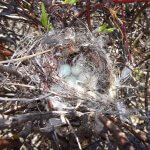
(71, 80)
(64, 70)
(84, 77)
(76, 70)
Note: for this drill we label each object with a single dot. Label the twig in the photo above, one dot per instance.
(34, 20)
(72, 130)
(54, 140)
(25, 99)
(141, 135)
(10, 70)
(25, 57)
(146, 90)
(137, 39)
(138, 13)
(12, 122)
(75, 18)
(88, 7)
(25, 86)
(129, 1)
(143, 61)
(126, 42)
(13, 110)
(121, 138)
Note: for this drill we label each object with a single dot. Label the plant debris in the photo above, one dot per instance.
(74, 75)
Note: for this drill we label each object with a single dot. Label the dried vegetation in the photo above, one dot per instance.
(82, 84)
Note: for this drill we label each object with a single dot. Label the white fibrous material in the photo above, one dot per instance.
(84, 77)
(125, 73)
(113, 88)
(93, 81)
(58, 103)
(123, 112)
(75, 67)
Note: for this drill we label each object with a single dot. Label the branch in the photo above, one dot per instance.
(88, 7)
(26, 99)
(17, 120)
(141, 135)
(146, 89)
(10, 70)
(120, 137)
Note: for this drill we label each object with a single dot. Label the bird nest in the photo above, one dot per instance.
(71, 68)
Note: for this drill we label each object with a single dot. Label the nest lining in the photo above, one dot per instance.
(67, 47)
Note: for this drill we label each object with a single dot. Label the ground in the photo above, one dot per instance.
(103, 106)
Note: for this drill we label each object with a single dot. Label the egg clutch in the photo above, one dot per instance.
(76, 76)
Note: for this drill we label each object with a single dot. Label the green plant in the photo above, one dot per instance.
(105, 28)
(138, 74)
(71, 2)
(45, 19)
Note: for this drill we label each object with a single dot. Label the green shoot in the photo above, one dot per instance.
(44, 18)
(105, 28)
(71, 2)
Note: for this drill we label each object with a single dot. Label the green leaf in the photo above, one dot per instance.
(104, 28)
(138, 74)
(44, 18)
(109, 30)
(71, 2)
(49, 26)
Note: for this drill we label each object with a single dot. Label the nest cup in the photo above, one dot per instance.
(76, 68)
